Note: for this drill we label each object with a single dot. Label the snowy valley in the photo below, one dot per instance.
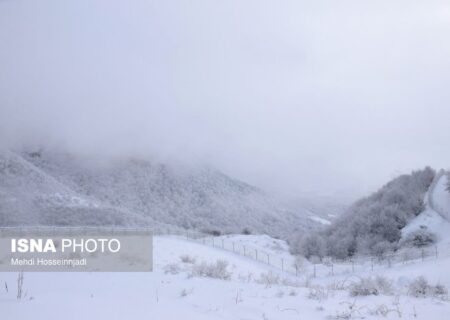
(221, 278)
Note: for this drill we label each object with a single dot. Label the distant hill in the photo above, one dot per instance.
(58, 188)
(373, 225)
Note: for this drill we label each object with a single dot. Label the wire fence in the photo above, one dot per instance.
(327, 266)
(288, 264)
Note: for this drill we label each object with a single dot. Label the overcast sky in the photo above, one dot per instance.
(298, 97)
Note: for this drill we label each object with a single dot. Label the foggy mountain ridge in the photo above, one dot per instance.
(373, 224)
(58, 188)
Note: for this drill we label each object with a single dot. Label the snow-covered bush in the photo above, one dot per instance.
(172, 268)
(419, 238)
(364, 287)
(269, 279)
(420, 288)
(300, 264)
(187, 259)
(217, 270)
(318, 293)
(311, 245)
(439, 290)
(369, 286)
(384, 285)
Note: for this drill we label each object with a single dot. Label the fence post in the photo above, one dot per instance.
(436, 251)
(296, 270)
(332, 268)
(423, 254)
(256, 254)
(389, 261)
(314, 270)
(353, 265)
(282, 264)
(371, 262)
(233, 246)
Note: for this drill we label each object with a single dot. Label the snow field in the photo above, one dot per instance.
(163, 295)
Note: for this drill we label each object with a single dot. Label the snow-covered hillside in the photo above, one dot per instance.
(249, 290)
(373, 224)
(57, 188)
(436, 216)
(29, 196)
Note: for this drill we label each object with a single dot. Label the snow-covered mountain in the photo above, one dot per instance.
(30, 196)
(58, 188)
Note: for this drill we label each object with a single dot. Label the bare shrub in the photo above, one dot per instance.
(352, 311)
(441, 291)
(419, 238)
(293, 293)
(384, 285)
(420, 288)
(187, 259)
(245, 278)
(384, 310)
(369, 286)
(364, 287)
(20, 286)
(217, 270)
(340, 285)
(185, 293)
(172, 268)
(269, 279)
(318, 293)
(300, 264)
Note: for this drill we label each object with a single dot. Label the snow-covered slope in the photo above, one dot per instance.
(439, 197)
(29, 196)
(436, 216)
(135, 192)
(254, 291)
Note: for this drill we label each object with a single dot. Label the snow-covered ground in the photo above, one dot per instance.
(251, 286)
(439, 199)
(171, 292)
